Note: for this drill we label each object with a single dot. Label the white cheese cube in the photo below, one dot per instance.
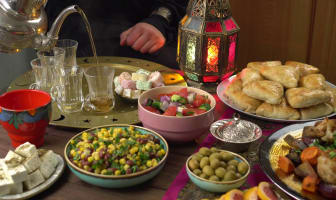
(5, 183)
(139, 77)
(127, 93)
(41, 152)
(119, 89)
(34, 179)
(47, 169)
(26, 149)
(12, 159)
(136, 94)
(17, 188)
(50, 157)
(18, 173)
(32, 163)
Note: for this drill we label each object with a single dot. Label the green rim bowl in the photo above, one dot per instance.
(217, 186)
(121, 181)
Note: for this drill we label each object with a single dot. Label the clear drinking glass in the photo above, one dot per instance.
(70, 47)
(38, 70)
(52, 62)
(68, 94)
(100, 81)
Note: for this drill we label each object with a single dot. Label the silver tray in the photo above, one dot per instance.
(220, 92)
(45, 185)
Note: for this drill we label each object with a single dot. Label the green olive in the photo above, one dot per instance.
(214, 149)
(223, 164)
(193, 164)
(204, 176)
(215, 156)
(229, 176)
(233, 162)
(197, 172)
(204, 161)
(220, 172)
(214, 178)
(214, 163)
(208, 170)
(197, 157)
(231, 167)
(204, 151)
(226, 156)
(242, 168)
(238, 175)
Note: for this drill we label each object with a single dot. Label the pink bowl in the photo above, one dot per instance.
(175, 129)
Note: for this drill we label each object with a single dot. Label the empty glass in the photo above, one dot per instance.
(68, 94)
(40, 82)
(70, 47)
(100, 80)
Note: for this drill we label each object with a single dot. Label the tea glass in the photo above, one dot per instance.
(52, 62)
(100, 81)
(68, 94)
(38, 70)
(70, 47)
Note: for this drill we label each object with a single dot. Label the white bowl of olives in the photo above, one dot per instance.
(217, 170)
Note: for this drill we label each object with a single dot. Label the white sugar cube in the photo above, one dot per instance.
(139, 77)
(26, 149)
(32, 163)
(5, 183)
(50, 157)
(119, 89)
(47, 169)
(12, 159)
(17, 188)
(127, 93)
(34, 179)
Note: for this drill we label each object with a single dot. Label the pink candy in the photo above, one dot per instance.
(156, 79)
(128, 84)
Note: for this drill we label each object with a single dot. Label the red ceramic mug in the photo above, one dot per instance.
(25, 115)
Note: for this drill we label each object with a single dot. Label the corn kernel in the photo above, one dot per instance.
(79, 165)
(134, 150)
(97, 171)
(104, 171)
(148, 146)
(126, 167)
(123, 140)
(86, 167)
(131, 128)
(157, 147)
(90, 159)
(154, 162)
(83, 155)
(161, 153)
(73, 152)
(117, 172)
(122, 161)
(72, 142)
(149, 163)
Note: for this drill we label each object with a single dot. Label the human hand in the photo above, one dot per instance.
(143, 37)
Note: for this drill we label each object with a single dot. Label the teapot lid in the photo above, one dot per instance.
(234, 130)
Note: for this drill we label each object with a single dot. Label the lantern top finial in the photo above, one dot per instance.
(209, 9)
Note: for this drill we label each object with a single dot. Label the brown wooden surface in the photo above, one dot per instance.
(71, 187)
(300, 30)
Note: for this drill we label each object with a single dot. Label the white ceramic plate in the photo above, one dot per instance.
(220, 92)
(45, 185)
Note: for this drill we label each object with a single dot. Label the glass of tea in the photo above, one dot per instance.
(69, 95)
(100, 81)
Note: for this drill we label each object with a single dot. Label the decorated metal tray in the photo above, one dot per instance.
(45, 185)
(220, 92)
(124, 112)
(271, 149)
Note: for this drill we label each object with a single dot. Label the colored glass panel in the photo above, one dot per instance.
(232, 52)
(213, 27)
(210, 79)
(229, 24)
(212, 54)
(191, 51)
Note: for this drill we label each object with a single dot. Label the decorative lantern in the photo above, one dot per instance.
(207, 42)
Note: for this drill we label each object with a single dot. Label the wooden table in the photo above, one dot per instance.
(71, 187)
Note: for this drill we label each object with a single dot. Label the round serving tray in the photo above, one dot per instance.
(124, 112)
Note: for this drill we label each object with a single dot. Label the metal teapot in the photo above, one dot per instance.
(23, 24)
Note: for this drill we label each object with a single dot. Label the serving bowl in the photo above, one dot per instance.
(25, 115)
(117, 181)
(218, 186)
(172, 128)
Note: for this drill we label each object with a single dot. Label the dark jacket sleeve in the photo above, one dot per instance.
(177, 9)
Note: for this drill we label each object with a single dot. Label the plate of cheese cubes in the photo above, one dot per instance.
(129, 86)
(27, 171)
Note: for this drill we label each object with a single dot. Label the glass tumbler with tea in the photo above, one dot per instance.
(100, 81)
(69, 95)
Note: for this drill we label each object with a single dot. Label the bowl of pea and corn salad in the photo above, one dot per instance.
(116, 156)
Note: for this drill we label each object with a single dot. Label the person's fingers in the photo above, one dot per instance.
(134, 34)
(140, 42)
(123, 36)
(155, 48)
(145, 48)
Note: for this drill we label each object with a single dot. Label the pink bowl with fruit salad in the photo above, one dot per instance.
(176, 115)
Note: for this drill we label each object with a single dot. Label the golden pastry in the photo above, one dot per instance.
(249, 74)
(313, 81)
(304, 97)
(316, 111)
(287, 76)
(259, 65)
(278, 111)
(332, 92)
(304, 69)
(265, 90)
(242, 101)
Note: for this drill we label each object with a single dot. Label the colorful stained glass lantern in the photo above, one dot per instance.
(207, 42)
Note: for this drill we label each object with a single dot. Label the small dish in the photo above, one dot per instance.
(217, 186)
(235, 134)
(117, 181)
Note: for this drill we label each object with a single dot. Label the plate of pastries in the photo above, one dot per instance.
(293, 92)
